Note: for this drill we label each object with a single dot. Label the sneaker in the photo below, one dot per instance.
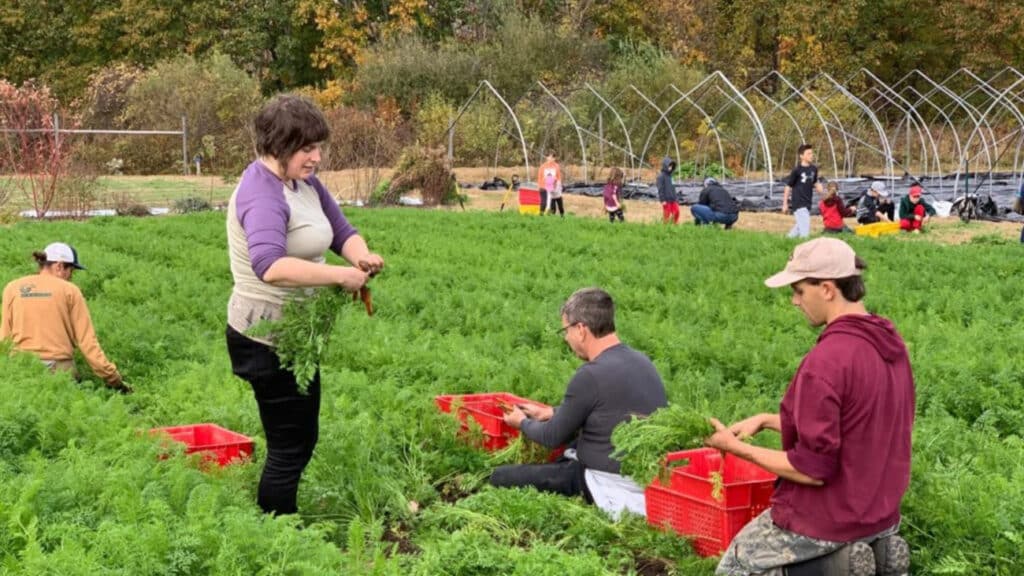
(892, 556)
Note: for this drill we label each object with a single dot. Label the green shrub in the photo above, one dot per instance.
(216, 98)
(191, 204)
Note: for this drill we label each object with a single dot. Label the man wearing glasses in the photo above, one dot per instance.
(614, 383)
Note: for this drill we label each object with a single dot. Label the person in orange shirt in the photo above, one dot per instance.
(46, 314)
(549, 180)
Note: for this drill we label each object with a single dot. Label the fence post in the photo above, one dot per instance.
(56, 131)
(451, 146)
(184, 146)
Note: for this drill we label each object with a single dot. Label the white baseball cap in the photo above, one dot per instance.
(821, 258)
(879, 186)
(61, 252)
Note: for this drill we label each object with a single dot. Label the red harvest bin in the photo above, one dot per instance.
(214, 442)
(486, 411)
(692, 506)
(529, 200)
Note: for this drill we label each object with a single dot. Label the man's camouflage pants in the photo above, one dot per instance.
(763, 549)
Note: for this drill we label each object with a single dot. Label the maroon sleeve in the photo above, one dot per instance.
(343, 230)
(816, 417)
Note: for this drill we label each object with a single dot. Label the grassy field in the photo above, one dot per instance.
(469, 302)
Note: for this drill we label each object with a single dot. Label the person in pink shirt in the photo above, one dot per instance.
(845, 421)
(549, 179)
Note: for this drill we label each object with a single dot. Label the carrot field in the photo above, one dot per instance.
(469, 302)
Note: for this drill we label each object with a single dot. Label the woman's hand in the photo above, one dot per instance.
(350, 279)
(371, 263)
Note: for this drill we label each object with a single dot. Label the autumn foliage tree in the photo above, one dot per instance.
(35, 155)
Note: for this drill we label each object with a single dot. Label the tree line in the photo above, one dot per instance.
(392, 72)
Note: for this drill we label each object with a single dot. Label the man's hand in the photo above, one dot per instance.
(749, 427)
(538, 413)
(515, 417)
(723, 439)
(371, 264)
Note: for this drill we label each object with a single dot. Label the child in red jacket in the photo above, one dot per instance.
(833, 210)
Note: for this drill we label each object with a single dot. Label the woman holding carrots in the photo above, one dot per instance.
(281, 221)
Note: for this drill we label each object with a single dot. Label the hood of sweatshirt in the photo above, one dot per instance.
(875, 330)
(668, 165)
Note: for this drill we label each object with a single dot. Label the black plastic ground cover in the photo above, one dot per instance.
(758, 196)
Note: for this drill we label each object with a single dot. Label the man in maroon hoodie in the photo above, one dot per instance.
(846, 423)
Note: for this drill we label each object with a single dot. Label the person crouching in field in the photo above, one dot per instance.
(715, 206)
(613, 196)
(614, 383)
(833, 210)
(46, 314)
(280, 222)
(875, 205)
(914, 210)
(846, 422)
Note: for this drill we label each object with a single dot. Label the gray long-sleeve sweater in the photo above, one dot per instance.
(603, 393)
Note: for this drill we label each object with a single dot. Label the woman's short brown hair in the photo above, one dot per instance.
(288, 123)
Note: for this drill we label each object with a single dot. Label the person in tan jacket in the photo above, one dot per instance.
(46, 314)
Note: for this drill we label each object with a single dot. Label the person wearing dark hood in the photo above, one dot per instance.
(1018, 207)
(846, 422)
(667, 191)
(715, 206)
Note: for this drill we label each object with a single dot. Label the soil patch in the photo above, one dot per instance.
(400, 536)
(652, 566)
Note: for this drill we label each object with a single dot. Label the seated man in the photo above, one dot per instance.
(614, 383)
(845, 421)
(715, 206)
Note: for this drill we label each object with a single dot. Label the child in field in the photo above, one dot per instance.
(667, 192)
(914, 210)
(613, 196)
(833, 210)
(876, 205)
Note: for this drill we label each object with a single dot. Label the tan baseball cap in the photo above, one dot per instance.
(821, 258)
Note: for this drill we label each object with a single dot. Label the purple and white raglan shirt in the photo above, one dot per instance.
(268, 221)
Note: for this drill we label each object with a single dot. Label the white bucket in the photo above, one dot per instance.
(942, 208)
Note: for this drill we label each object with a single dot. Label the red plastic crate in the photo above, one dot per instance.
(528, 196)
(484, 409)
(212, 441)
(688, 506)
